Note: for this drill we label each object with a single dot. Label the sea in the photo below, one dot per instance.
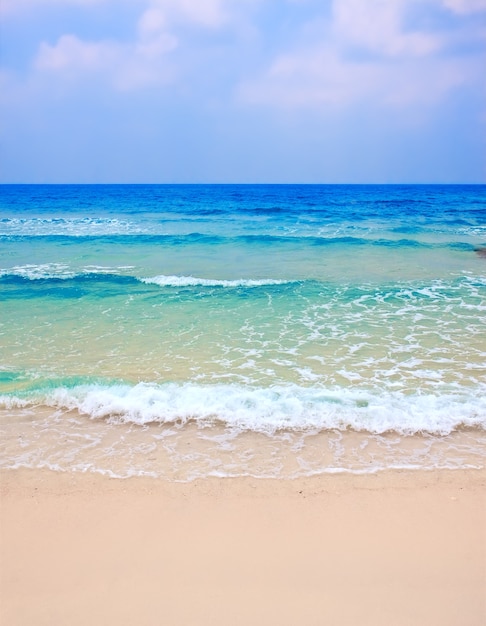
(277, 331)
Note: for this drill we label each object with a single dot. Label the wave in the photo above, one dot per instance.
(57, 274)
(60, 271)
(262, 409)
(323, 239)
(191, 281)
(67, 226)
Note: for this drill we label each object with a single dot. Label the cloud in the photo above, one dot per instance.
(10, 7)
(309, 77)
(465, 7)
(74, 54)
(154, 38)
(318, 76)
(367, 51)
(208, 13)
(142, 61)
(127, 66)
(377, 26)
(356, 50)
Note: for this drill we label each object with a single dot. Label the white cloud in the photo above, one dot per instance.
(365, 54)
(362, 49)
(154, 38)
(206, 13)
(209, 13)
(310, 77)
(73, 53)
(319, 77)
(465, 7)
(127, 66)
(16, 6)
(377, 26)
(137, 63)
(152, 21)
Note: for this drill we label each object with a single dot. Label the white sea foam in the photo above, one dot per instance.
(191, 281)
(45, 271)
(40, 271)
(268, 410)
(77, 226)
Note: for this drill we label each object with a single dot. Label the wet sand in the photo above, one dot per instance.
(401, 548)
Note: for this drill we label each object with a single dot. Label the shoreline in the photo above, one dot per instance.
(396, 547)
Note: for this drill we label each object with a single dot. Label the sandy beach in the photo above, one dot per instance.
(391, 548)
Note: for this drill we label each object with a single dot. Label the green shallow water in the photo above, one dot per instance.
(409, 335)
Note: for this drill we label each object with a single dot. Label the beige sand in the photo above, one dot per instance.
(391, 549)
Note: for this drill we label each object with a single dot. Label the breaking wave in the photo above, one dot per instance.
(266, 410)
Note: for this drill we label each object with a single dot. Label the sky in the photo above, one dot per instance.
(243, 91)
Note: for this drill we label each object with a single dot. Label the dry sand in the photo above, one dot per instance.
(388, 549)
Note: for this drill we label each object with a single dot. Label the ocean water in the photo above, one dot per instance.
(223, 330)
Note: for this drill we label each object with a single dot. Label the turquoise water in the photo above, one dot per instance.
(272, 330)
